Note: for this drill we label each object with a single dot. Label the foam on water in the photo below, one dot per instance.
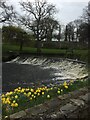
(63, 69)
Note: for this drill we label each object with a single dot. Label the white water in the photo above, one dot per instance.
(64, 69)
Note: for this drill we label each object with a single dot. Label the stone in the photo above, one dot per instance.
(75, 93)
(52, 104)
(0, 116)
(18, 115)
(68, 108)
(72, 116)
(59, 115)
(36, 110)
(78, 102)
(53, 116)
(84, 89)
(85, 97)
(64, 97)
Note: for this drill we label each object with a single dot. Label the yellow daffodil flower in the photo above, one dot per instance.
(38, 94)
(32, 90)
(19, 88)
(30, 98)
(48, 96)
(32, 95)
(58, 92)
(25, 93)
(66, 86)
(65, 83)
(16, 96)
(29, 93)
(16, 104)
(61, 90)
(42, 93)
(14, 101)
(35, 93)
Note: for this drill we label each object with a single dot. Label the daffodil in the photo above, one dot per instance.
(6, 117)
(32, 95)
(19, 88)
(58, 92)
(3, 100)
(45, 87)
(65, 83)
(42, 93)
(58, 88)
(38, 90)
(14, 101)
(12, 105)
(51, 88)
(25, 93)
(22, 90)
(16, 90)
(48, 96)
(16, 105)
(16, 96)
(27, 89)
(32, 90)
(38, 94)
(61, 90)
(10, 93)
(3, 95)
(66, 86)
(7, 94)
(30, 98)
(35, 93)
(29, 93)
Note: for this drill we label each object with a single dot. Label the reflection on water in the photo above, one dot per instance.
(35, 71)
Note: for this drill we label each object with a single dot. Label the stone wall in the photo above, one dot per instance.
(72, 105)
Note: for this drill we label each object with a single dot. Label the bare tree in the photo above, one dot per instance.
(50, 26)
(35, 12)
(7, 12)
(69, 32)
(66, 32)
(86, 14)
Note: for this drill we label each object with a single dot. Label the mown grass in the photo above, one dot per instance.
(24, 97)
(77, 54)
(7, 47)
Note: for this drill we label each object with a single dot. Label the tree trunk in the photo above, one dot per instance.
(21, 45)
(38, 47)
(66, 33)
(65, 36)
(69, 37)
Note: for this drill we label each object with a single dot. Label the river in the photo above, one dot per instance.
(37, 71)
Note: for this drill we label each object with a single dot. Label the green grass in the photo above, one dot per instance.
(24, 102)
(77, 54)
(7, 47)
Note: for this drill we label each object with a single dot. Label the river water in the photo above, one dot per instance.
(37, 71)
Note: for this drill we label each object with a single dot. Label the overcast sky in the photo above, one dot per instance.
(69, 10)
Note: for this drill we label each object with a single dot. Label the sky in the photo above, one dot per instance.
(68, 10)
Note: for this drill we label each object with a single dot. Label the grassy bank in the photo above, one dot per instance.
(77, 54)
(22, 98)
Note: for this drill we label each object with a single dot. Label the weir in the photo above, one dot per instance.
(37, 71)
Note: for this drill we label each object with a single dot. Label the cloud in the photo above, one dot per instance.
(74, 1)
(68, 10)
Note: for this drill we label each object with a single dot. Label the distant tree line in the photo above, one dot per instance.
(78, 30)
(37, 23)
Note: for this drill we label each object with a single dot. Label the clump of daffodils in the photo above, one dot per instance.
(12, 100)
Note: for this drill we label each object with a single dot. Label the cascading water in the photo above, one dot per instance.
(28, 71)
